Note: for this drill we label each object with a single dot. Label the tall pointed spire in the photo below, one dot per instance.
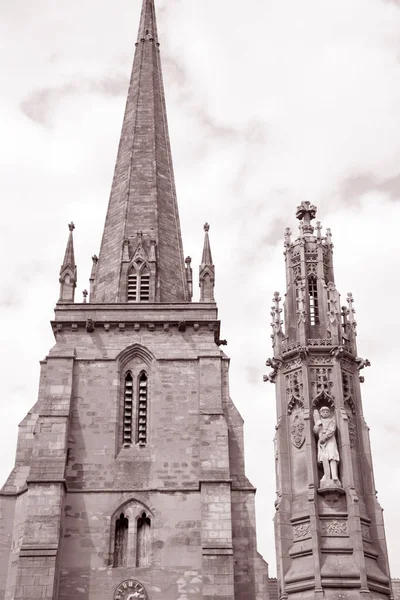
(207, 270)
(148, 22)
(68, 270)
(143, 208)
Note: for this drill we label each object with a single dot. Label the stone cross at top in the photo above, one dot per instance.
(206, 227)
(306, 212)
(71, 226)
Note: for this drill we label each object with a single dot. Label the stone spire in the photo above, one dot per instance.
(143, 209)
(207, 270)
(68, 272)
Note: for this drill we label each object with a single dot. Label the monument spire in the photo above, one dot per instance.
(329, 525)
(143, 212)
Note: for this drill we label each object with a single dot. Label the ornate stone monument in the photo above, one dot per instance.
(330, 536)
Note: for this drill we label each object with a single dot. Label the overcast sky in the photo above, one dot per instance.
(270, 102)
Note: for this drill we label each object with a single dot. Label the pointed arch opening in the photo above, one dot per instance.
(313, 300)
(143, 540)
(138, 282)
(121, 541)
(128, 410)
(141, 434)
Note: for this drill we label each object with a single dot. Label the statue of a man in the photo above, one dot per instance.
(328, 453)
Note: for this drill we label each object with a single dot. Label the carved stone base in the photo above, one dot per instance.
(329, 486)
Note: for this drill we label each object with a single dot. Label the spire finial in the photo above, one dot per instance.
(71, 226)
(148, 25)
(306, 213)
(207, 258)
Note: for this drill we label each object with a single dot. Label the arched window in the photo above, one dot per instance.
(143, 541)
(313, 301)
(128, 409)
(141, 435)
(121, 541)
(139, 283)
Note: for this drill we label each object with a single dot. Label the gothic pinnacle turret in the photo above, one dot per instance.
(207, 270)
(143, 209)
(329, 527)
(68, 271)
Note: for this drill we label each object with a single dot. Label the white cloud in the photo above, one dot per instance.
(270, 103)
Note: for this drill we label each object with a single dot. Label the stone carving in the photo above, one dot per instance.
(333, 305)
(348, 391)
(361, 364)
(288, 240)
(290, 347)
(301, 530)
(320, 360)
(301, 304)
(275, 363)
(130, 589)
(321, 384)
(292, 364)
(296, 272)
(334, 527)
(328, 453)
(311, 268)
(296, 258)
(89, 325)
(294, 389)
(365, 532)
(326, 272)
(297, 426)
(319, 342)
(306, 212)
(276, 312)
(352, 432)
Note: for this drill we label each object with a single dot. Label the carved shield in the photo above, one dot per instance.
(297, 431)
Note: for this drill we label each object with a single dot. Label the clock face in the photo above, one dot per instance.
(130, 590)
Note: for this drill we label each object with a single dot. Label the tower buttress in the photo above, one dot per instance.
(206, 270)
(68, 271)
(329, 526)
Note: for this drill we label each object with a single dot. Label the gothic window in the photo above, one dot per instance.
(141, 436)
(143, 541)
(313, 301)
(132, 287)
(128, 409)
(139, 283)
(121, 541)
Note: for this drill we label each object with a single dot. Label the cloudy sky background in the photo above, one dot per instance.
(270, 102)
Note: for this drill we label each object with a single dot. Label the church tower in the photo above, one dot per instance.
(129, 478)
(329, 531)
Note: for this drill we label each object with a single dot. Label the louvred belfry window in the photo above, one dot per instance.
(139, 283)
(128, 409)
(141, 437)
(313, 300)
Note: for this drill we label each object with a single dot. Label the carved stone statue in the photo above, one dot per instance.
(328, 453)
